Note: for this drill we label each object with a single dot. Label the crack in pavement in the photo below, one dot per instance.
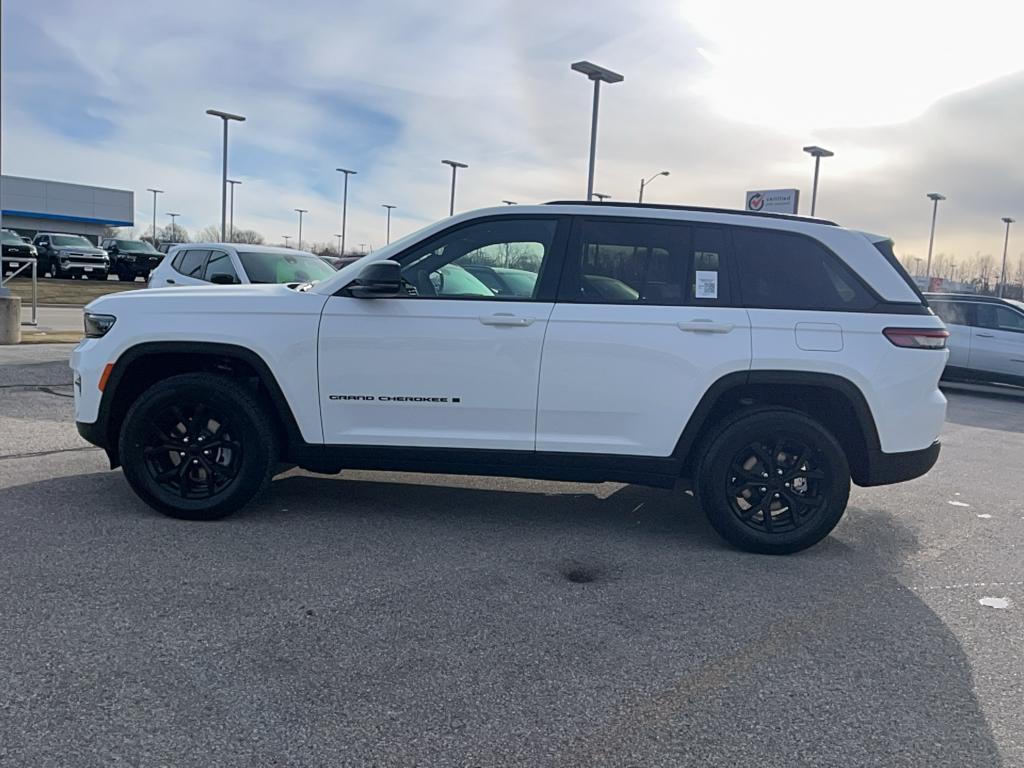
(33, 454)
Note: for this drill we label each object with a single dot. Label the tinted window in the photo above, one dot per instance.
(627, 262)
(953, 313)
(220, 264)
(192, 263)
(999, 318)
(487, 260)
(789, 271)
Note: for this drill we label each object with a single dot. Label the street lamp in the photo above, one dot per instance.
(934, 197)
(232, 227)
(601, 198)
(455, 167)
(300, 211)
(509, 202)
(174, 226)
(1006, 244)
(598, 75)
(225, 117)
(389, 207)
(286, 239)
(644, 183)
(817, 153)
(155, 193)
(338, 235)
(344, 205)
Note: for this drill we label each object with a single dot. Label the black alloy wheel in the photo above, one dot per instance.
(773, 480)
(198, 446)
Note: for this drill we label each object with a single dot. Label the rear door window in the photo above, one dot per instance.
(193, 263)
(220, 264)
(785, 270)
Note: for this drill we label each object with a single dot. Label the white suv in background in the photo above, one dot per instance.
(986, 337)
(234, 263)
(766, 359)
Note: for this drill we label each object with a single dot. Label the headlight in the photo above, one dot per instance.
(98, 325)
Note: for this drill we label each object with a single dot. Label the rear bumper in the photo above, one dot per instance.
(885, 468)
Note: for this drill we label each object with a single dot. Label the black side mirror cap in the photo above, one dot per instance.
(223, 279)
(378, 280)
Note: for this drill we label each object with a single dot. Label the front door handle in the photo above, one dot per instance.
(702, 325)
(170, 282)
(505, 318)
(986, 335)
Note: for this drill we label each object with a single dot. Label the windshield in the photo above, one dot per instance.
(11, 238)
(133, 246)
(75, 240)
(277, 267)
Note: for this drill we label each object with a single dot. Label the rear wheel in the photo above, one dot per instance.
(773, 481)
(197, 446)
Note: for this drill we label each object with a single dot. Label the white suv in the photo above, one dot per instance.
(767, 359)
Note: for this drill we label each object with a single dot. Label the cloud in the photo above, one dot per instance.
(119, 98)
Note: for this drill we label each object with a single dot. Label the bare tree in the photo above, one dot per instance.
(209, 234)
(248, 236)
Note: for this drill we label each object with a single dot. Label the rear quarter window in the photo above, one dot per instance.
(785, 270)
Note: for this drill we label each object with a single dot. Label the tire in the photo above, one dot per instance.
(773, 481)
(162, 424)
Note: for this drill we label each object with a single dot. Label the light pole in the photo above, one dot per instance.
(286, 239)
(817, 153)
(362, 247)
(644, 183)
(174, 226)
(601, 198)
(231, 230)
(225, 117)
(455, 167)
(300, 211)
(155, 193)
(390, 208)
(338, 235)
(934, 197)
(344, 205)
(917, 265)
(1006, 244)
(598, 75)
(509, 202)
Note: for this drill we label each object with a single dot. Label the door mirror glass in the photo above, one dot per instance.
(379, 280)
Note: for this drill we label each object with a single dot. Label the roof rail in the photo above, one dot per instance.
(964, 297)
(697, 208)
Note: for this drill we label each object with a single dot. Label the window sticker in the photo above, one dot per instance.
(707, 284)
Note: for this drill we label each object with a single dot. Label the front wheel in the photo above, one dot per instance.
(197, 446)
(773, 481)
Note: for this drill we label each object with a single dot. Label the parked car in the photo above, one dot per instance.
(231, 263)
(766, 359)
(63, 255)
(15, 252)
(130, 259)
(340, 261)
(986, 337)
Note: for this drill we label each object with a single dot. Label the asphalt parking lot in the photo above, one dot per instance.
(390, 619)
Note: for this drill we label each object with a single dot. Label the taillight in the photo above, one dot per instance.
(917, 338)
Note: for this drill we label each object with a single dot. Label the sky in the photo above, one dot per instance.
(913, 97)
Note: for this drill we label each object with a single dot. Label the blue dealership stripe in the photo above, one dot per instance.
(62, 217)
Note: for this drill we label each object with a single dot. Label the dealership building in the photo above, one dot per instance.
(29, 206)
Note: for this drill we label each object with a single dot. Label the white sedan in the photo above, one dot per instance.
(235, 263)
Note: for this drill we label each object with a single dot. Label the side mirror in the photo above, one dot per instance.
(379, 280)
(222, 278)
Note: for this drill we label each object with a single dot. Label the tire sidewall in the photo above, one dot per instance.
(771, 425)
(219, 394)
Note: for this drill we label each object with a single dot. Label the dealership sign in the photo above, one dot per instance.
(773, 200)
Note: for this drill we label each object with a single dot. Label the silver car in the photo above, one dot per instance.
(986, 336)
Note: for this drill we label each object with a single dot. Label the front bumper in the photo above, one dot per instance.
(886, 468)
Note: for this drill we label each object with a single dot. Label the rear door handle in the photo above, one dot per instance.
(702, 325)
(504, 318)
